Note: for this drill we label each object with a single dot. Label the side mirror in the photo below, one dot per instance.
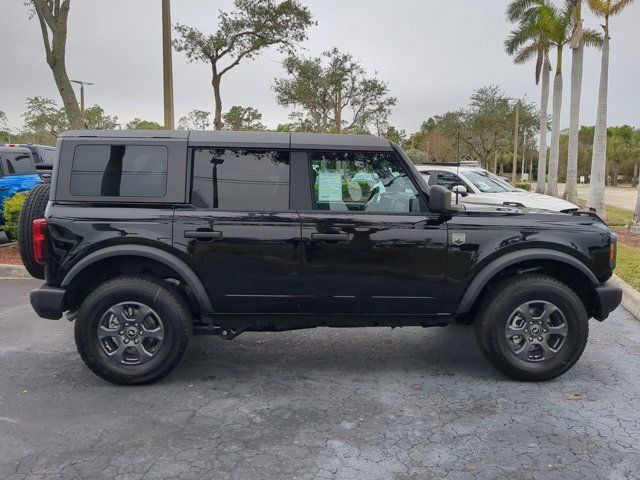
(460, 190)
(440, 201)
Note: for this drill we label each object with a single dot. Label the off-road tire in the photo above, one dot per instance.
(506, 297)
(33, 208)
(160, 296)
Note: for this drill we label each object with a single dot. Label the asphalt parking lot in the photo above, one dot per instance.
(324, 403)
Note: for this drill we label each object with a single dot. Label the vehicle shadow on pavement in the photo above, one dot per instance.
(433, 352)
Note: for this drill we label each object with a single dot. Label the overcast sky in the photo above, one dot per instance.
(433, 54)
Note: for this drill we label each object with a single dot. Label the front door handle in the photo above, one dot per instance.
(203, 234)
(330, 237)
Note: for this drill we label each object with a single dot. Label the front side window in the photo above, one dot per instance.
(119, 171)
(361, 182)
(18, 164)
(244, 180)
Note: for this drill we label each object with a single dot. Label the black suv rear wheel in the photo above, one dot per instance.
(534, 328)
(133, 330)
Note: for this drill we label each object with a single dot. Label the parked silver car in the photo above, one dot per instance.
(476, 185)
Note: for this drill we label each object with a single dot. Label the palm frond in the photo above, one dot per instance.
(599, 8)
(592, 38)
(517, 8)
(618, 6)
(525, 54)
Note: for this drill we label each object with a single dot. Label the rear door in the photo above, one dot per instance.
(370, 246)
(239, 233)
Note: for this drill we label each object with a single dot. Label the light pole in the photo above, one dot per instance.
(167, 65)
(82, 84)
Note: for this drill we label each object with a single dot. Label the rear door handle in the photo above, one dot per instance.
(203, 234)
(330, 237)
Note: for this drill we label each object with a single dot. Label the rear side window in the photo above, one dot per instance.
(119, 171)
(246, 180)
(449, 180)
(18, 164)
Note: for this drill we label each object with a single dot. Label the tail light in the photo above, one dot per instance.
(39, 239)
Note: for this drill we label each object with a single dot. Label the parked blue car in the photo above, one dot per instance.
(17, 173)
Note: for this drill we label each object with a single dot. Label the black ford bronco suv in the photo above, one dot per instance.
(150, 237)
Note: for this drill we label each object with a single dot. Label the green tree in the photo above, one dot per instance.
(195, 120)
(43, 115)
(333, 93)
(243, 34)
(53, 16)
(394, 135)
(96, 119)
(604, 9)
(243, 118)
(3, 121)
(139, 124)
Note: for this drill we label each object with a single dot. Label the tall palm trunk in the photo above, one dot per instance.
(542, 148)
(571, 188)
(635, 223)
(554, 156)
(599, 159)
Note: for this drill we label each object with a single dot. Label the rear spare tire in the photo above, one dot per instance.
(33, 208)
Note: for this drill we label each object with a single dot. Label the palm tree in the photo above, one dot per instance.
(604, 9)
(579, 38)
(527, 41)
(635, 223)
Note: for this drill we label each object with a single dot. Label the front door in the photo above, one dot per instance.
(239, 234)
(369, 244)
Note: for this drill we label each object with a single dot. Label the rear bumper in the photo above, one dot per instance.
(48, 302)
(608, 298)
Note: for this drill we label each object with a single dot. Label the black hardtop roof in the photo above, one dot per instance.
(224, 138)
(7, 148)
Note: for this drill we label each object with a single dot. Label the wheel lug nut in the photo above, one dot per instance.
(136, 341)
(126, 340)
(544, 330)
(540, 339)
(526, 330)
(540, 322)
(530, 339)
(121, 332)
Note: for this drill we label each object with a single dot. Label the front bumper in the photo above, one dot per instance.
(608, 298)
(48, 302)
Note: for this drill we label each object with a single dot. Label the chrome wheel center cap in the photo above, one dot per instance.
(132, 332)
(535, 330)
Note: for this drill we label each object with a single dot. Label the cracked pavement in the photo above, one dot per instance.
(371, 403)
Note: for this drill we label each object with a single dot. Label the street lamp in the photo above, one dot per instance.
(82, 84)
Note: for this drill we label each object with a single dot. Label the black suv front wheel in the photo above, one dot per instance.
(534, 328)
(133, 330)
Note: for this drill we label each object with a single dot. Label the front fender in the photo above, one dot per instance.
(497, 265)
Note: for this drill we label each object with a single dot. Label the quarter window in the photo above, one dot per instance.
(246, 180)
(18, 164)
(119, 171)
(449, 180)
(361, 182)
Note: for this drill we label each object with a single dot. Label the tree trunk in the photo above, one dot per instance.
(338, 112)
(55, 50)
(636, 215)
(571, 188)
(554, 156)
(495, 162)
(599, 159)
(542, 149)
(516, 136)
(614, 178)
(636, 167)
(217, 116)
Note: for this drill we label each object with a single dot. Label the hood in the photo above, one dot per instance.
(532, 200)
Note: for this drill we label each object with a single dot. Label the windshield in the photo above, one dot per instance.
(487, 182)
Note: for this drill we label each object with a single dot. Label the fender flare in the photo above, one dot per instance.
(181, 268)
(489, 271)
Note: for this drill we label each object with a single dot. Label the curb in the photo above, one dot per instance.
(630, 296)
(14, 272)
